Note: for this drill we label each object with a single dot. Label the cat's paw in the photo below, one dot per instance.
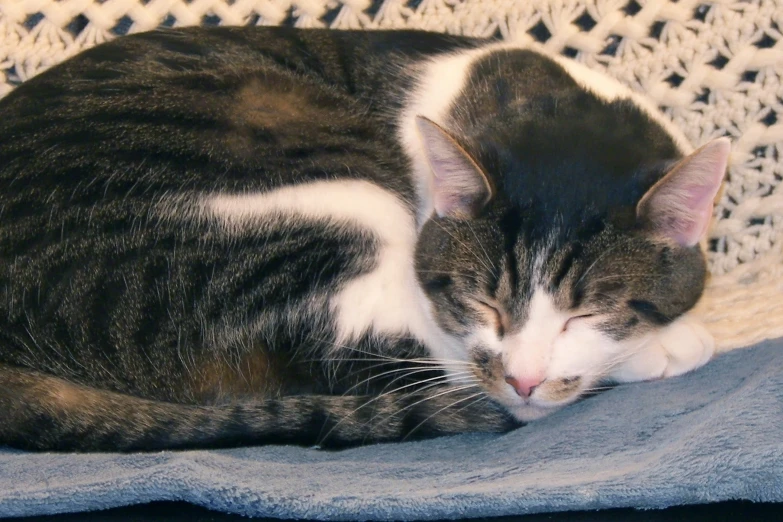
(679, 348)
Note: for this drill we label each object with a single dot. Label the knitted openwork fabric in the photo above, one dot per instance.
(715, 67)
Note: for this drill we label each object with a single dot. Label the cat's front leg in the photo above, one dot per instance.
(682, 346)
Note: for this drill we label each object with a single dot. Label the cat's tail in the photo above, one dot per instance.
(46, 413)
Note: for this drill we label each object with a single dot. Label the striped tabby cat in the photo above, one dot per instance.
(234, 236)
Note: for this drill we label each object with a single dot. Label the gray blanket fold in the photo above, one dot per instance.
(714, 435)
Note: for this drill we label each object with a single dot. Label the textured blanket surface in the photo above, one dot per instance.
(710, 436)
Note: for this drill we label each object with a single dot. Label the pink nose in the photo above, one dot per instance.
(525, 386)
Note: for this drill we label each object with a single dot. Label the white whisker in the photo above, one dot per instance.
(409, 373)
(440, 410)
(479, 259)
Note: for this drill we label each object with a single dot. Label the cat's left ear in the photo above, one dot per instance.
(460, 187)
(680, 205)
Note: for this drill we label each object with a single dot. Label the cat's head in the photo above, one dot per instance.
(547, 300)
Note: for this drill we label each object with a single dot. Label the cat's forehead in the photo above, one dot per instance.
(532, 263)
(565, 264)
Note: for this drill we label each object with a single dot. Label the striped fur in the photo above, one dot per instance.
(227, 236)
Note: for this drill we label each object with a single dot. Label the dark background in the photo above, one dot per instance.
(181, 512)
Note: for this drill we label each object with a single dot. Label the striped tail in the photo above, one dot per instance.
(39, 412)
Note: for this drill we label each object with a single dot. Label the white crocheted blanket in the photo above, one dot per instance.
(716, 67)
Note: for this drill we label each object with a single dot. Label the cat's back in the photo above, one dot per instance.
(226, 93)
(230, 109)
(120, 167)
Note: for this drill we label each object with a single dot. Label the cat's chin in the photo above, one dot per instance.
(530, 412)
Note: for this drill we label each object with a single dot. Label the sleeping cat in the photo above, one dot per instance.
(234, 236)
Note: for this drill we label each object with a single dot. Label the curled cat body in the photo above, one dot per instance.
(237, 236)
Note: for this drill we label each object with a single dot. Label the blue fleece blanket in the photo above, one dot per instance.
(714, 435)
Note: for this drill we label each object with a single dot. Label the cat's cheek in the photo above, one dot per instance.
(583, 352)
(484, 338)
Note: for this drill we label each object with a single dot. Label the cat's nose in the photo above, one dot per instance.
(524, 386)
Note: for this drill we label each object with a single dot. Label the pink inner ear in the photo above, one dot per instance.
(693, 226)
(459, 186)
(680, 205)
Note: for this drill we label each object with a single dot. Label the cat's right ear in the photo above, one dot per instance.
(460, 187)
(679, 206)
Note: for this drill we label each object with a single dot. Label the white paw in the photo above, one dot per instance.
(679, 348)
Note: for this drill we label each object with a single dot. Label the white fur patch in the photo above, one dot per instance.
(528, 353)
(353, 202)
(678, 348)
(386, 300)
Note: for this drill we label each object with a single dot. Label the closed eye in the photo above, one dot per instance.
(571, 320)
(495, 316)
